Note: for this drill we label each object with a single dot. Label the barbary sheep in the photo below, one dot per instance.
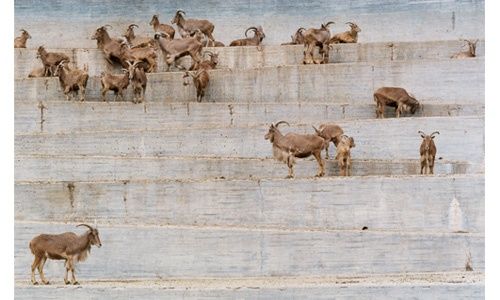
(188, 26)
(68, 246)
(72, 80)
(159, 27)
(20, 41)
(314, 37)
(467, 54)
(427, 153)
(343, 155)
(350, 36)
(394, 97)
(256, 40)
(297, 38)
(330, 133)
(292, 145)
(50, 60)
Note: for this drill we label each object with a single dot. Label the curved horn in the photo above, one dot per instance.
(300, 29)
(254, 28)
(316, 129)
(128, 62)
(421, 133)
(432, 134)
(107, 25)
(90, 227)
(350, 23)
(133, 25)
(208, 52)
(328, 24)
(180, 11)
(280, 122)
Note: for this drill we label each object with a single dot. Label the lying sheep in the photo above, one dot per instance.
(292, 145)
(68, 246)
(469, 53)
(256, 40)
(20, 41)
(330, 133)
(38, 72)
(297, 38)
(344, 154)
(350, 36)
(394, 97)
(427, 153)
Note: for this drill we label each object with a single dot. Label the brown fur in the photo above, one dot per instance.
(38, 72)
(72, 80)
(292, 145)
(344, 154)
(467, 54)
(256, 40)
(137, 41)
(427, 153)
(314, 37)
(165, 28)
(297, 38)
(116, 83)
(177, 48)
(138, 81)
(394, 97)
(188, 26)
(65, 246)
(330, 133)
(112, 48)
(147, 56)
(350, 36)
(50, 60)
(20, 41)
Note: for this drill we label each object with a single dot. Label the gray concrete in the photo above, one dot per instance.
(407, 291)
(375, 139)
(156, 252)
(69, 24)
(77, 168)
(58, 117)
(250, 57)
(402, 204)
(450, 81)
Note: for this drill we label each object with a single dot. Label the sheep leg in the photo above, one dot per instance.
(72, 269)
(289, 162)
(103, 95)
(33, 267)
(82, 93)
(349, 166)
(67, 268)
(321, 171)
(422, 164)
(431, 165)
(327, 145)
(40, 270)
(399, 109)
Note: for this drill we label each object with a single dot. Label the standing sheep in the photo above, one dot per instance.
(427, 153)
(331, 133)
(344, 154)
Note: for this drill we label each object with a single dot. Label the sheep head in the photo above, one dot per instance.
(426, 142)
(100, 33)
(25, 34)
(154, 20)
(325, 26)
(178, 16)
(214, 57)
(273, 130)
(354, 27)
(93, 235)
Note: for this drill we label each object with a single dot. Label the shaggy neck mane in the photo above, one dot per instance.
(81, 247)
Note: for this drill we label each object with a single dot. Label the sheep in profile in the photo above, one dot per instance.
(20, 41)
(50, 60)
(67, 246)
(292, 145)
(344, 154)
(394, 97)
(256, 40)
(427, 153)
(350, 36)
(469, 53)
(297, 38)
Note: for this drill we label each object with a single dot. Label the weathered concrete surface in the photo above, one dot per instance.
(157, 252)
(78, 168)
(410, 203)
(450, 81)
(454, 285)
(71, 23)
(375, 139)
(58, 117)
(250, 57)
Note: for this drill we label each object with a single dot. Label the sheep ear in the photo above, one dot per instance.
(352, 142)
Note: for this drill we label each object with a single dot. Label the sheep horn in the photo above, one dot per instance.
(208, 52)
(350, 23)
(107, 25)
(277, 124)
(179, 11)
(300, 29)
(422, 134)
(432, 134)
(316, 129)
(128, 62)
(254, 28)
(90, 227)
(328, 24)
(132, 25)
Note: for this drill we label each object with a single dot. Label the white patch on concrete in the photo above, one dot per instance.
(455, 216)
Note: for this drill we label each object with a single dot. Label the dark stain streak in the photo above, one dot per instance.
(71, 189)
(41, 106)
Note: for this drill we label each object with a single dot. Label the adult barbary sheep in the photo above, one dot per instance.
(427, 153)
(72, 80)
(159, 27)
(146, 56)
(188, 26)
(50, 60)
(111, 47)
(138, 81)
(256, 40)
(297, 38)
(177, 48)
(114, 82)
(330, 133)
(137, 41)
(466, 54)
(292, 145)
(201, 80)
(343, 156)
(209, 64)
(68, 246)
(317, 37)
(350, 36)
(20, 41)
(394, 97)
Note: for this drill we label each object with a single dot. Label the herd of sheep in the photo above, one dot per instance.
(137, 55)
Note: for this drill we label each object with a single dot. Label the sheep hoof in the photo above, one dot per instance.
(76, 283)
(67, 282)
(46, 282)
(289, 177)
(35, 282)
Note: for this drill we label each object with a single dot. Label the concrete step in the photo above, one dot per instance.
(63, 116)
(270, 56)
(176, 251)
(104, 168)
(448, 81)
(375, 139)
(397, 203)
(449, 285)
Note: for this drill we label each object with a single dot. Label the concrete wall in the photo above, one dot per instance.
(375, 139)
(452, 81)
(400, 203)
(59, 116)
(70, 23)
(250, 57)
(152, 252)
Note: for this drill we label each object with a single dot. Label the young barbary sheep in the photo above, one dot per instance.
(256, 40)
(466, 54)
(350, 36)
(68, 246)
(201, 80)
(317, 37)
(344, 154)
(394, 97)
(330, 133)
(137, 41)
(292, 145)
(114, 82)
(20, 41)
(177, 48)
(427, 153)
(72, 80)
(297, 38)
(165, 28)
(188, 26)
(50, 60)
(138, 81)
